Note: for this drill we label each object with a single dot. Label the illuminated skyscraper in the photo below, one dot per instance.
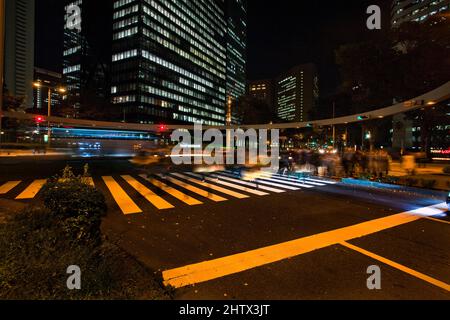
(417, 10)
(85, 63)
(75, 50)
(169, 60)
(236, 14)
(297, 93)
(48, 78)
(19, 49)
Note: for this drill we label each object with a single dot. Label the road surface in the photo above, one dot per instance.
(220, 237)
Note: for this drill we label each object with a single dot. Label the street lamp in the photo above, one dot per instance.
(58, 89)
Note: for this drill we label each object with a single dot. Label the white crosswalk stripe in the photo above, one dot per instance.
(201, 192)
(322, 181)
(211, 186)
(273, 182)
(300, 181)
(227, 184)
(180, 186)
(231, 178)
(315, 182)
(172, 191)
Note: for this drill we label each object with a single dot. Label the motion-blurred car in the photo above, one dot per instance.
(148, 157)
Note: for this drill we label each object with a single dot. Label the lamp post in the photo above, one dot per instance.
(2, 58)
(58, 89)
(334, 126)
(229, 120)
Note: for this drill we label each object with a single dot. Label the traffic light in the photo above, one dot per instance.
(162, 128)
(39, 119)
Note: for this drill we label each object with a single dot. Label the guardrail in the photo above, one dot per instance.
(433, 97)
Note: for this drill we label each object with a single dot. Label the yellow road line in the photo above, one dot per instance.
(32, 190)
(122, 199)
(211, 186)
(398, 266)
(213, 269)
(172, 191)
(196, 190)
(8, 186)
(438, 220)
(154, 199)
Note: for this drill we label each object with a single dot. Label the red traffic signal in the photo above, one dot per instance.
(162, 128)
(39, 119)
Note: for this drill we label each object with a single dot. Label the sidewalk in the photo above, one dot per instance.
(30, 153)
(396, 169)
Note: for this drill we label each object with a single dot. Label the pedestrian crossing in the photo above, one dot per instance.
(136, 194)
(123, 200)
(32, 190)
(8, 186)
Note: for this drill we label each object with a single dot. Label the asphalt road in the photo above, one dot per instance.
(312, 243)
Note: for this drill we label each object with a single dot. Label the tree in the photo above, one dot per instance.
(11, 102)
(251, 110)
(408, 61)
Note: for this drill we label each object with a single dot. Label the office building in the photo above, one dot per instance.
(169, 61)
(87, 53)
(236, 15)
(75, 50)
(19, 49)
(417, 10)
(297, 92)
(263, 90)
(48, 79)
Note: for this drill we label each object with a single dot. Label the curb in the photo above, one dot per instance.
(386, 186)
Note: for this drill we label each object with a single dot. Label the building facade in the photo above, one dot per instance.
(19, 49)
(48, 79)
(297, 92)
(75, 49)
(86, 59)
(263, 90)
(417, 10)
(236, 15)
(170, 59)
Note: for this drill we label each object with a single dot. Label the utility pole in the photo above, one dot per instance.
(229, 120)
(229, 116)
(334, 126)
(2, 60)
(49, 112)
(50, 89)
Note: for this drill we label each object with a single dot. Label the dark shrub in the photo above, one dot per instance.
(73, 198)
(77, 204)
(35, 252)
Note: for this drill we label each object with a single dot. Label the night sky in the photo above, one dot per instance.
(281, 34)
